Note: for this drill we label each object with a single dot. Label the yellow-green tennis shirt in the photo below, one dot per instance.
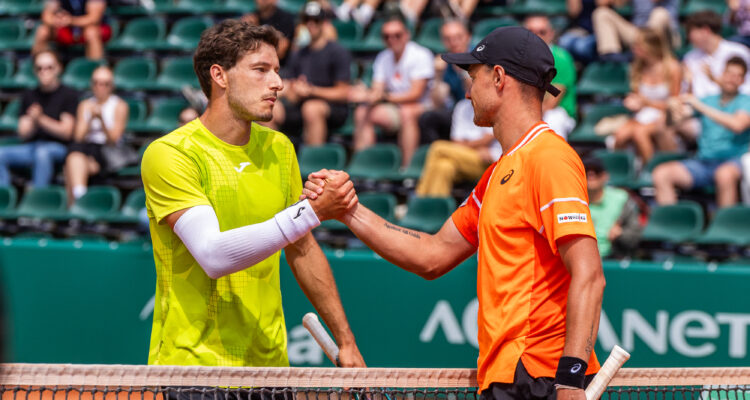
(236, 320)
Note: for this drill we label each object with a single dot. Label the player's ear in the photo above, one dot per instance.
(218, 75)
(498, 76)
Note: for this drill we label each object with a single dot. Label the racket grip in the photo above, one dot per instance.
(616, 359)
(313, 325)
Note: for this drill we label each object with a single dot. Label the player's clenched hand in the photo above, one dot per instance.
(571, 394)
(332, 195)
(349, 357)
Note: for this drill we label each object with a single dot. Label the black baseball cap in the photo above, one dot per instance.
(520, 52)
(313, 10)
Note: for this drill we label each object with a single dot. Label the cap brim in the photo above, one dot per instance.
(463, 60)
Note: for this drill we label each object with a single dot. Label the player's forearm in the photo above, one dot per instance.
(314, 275)
(408, 249)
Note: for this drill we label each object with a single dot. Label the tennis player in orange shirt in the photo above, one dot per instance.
(539, 278)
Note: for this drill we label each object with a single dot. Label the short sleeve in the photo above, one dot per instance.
(379, 67)
(466, 216)
(171, 180)
(70, 105)
(343, 61)
(560, 188)
(423, 66)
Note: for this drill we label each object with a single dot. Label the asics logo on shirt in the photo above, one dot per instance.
(242, 166)
(506, 178)
(299, 212)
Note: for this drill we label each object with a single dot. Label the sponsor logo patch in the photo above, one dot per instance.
(572, 217)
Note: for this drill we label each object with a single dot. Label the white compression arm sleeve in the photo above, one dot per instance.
(222, 253)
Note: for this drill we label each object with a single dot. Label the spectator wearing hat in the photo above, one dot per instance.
(401, 78)
(615, 214)
(316, 83)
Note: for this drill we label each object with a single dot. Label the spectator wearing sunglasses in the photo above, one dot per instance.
(100, 122)
(45, 124)
(401, 78)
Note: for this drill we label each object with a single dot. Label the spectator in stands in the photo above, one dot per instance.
(316, 84)
(464, 9)
(612, 31)
(724, 138)
(707, 59)
(269, 13)
(615, 214)
(71, 22)
(450, 84)
(401, 78)
(463, 158)
(739, 16)
(187, 115)
(45, 124)
(655, 77)
(100, 122)
(579, 40)
(558, 111)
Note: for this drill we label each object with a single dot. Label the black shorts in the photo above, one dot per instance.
(93, 150)
(524, 387)
(209, 393)
(293, 120)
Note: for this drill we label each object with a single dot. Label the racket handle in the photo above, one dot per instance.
(313, 325)
(616, 359)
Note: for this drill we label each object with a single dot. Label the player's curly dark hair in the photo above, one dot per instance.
(225, 43)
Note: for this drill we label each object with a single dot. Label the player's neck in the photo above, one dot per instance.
(512, 126)
(229, 130)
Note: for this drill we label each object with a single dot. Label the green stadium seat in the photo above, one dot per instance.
(693, 6)
(13, 34)
(6, 68)
(350, 33)
(487, 25)
(677, 223)
(134, 203)
(315, 158)
(644, 180)
(42, 202)
(730, 226)
(137, 111)
(138, 9)
(134, 170)
(8, 199)
(140, 34)
(163, 118)
(24, 77)
(414, 169)
(175, 74)
(78, 72)
(185, 34)
(292, 6)
(197, 6)
(98, 202)
(547, 7)
(584, 132)
(429, 35)
(428, 214)
(608, 79)
(484, 11)
(21, 7)
(238, 7)
(135, 73)
(9, 117)
(372, 41)
(619, 165)
(376, 162)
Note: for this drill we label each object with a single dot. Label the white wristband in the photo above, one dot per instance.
(297, 220)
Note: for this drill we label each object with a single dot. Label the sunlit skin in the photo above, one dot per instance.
(482, 95)
(253, 83)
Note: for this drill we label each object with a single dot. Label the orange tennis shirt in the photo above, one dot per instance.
(531, 197)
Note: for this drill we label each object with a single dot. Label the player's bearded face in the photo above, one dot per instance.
(482, 94)
(253, 84)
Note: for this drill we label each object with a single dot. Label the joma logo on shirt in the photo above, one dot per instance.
(571, 217)
(242, 166)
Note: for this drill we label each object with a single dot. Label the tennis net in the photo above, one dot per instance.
(130, 382)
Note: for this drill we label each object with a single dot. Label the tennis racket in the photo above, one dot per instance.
(616, 359)
(313, 325)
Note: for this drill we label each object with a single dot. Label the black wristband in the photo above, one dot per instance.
(571, 371)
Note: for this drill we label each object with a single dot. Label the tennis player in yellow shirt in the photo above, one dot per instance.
(221, 196)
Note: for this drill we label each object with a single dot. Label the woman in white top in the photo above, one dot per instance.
(100, 121)
(655, 76)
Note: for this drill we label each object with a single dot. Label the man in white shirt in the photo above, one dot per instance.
(402, 75)
(710, 54)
